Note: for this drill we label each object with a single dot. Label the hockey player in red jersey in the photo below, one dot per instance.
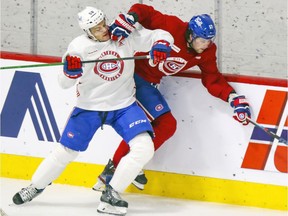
(193, 45)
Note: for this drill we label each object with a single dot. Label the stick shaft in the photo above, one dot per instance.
(83, 62)
(272, 134)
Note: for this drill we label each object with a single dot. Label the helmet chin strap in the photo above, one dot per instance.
(89, 34)
(190, 45)
(187, 37)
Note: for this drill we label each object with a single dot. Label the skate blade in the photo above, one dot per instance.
(112, 210)
(138, 185)
(99, 186)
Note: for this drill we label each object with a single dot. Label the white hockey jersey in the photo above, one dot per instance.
(108, 85)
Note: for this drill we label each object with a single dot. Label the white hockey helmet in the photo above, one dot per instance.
(88, 18)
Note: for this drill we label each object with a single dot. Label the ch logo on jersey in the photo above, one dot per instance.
(263, 152)
(172, 65)
(109, 70)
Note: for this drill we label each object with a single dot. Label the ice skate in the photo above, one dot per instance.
(26, 195)
(107, 172)
(140, 181)
(111, 203)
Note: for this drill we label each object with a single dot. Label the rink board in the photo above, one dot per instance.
(211, 157)
(161, 183)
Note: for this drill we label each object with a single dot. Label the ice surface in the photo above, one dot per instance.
(66, 200)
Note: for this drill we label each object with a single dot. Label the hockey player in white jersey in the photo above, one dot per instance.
(105, 95)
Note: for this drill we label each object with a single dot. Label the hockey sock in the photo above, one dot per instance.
(164, 127)
(52, 166)
(141, 152)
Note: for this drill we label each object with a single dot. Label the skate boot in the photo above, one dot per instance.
(140, 181)
(106, 174)
(26, 195)
(111, 202)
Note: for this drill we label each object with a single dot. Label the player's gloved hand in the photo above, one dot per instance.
(122, 27)
(73, 67)
(241, 108)
(160, 51)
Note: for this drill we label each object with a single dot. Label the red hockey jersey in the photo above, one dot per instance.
(180, 59)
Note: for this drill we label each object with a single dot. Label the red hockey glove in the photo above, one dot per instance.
(160, 51)
(241, 108)
(122, 27)
(73, 67)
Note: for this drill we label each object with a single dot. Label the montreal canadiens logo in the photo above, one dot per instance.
(70, 135)
(111, 69)
(172, 65)
(159, 107)
(241, 116)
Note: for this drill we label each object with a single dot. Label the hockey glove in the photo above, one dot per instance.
(73, 67)
(241, 108)
(160, 51)
(122, 27)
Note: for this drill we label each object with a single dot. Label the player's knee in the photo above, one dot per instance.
(142, 148)
(64, 155)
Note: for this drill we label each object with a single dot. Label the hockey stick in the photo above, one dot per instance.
(272, 134)
(83, 62)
